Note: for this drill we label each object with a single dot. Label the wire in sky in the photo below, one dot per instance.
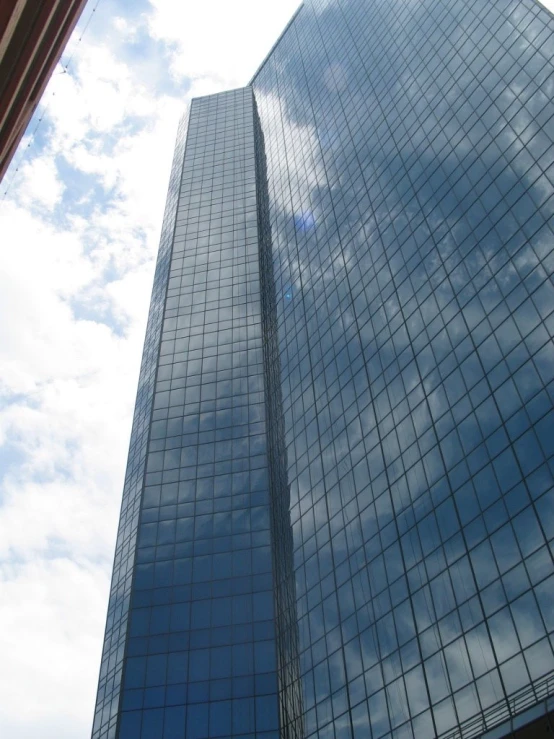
(24, 154)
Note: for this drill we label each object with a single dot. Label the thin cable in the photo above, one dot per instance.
(24, 154)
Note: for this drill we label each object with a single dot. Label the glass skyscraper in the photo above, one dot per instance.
(338, 513)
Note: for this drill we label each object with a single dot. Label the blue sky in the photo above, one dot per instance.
(80, 224)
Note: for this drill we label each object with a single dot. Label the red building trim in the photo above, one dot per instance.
(33, 35)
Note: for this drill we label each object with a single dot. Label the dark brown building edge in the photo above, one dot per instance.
(33, 34)
(541, 728)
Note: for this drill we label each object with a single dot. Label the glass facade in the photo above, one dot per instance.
(200, 656)
(410, 163)
(338, 518)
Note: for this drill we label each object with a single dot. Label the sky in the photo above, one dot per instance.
(80, 218)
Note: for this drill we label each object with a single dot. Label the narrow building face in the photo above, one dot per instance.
(338, 516)
(199, 654)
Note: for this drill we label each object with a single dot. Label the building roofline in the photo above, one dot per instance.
(270, 52)
(215, 94)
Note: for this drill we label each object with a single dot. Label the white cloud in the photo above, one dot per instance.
(237, 37)
(40, 184)
(548, 4)
(52, 620)
(96, 97)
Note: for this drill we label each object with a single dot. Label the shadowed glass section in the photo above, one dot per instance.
(290, 688)
(410, 163)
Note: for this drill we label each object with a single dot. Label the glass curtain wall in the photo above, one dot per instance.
(410, 161)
